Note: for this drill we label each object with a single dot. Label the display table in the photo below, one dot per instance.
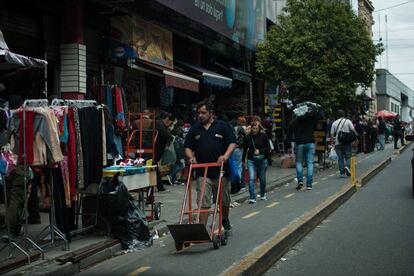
(134, 178)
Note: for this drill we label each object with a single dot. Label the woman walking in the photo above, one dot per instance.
(257, 147)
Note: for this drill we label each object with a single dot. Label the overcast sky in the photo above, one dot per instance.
(400, 37)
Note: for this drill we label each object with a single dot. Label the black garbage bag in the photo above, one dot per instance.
(114, 198)
(132, 230)
(308, 109)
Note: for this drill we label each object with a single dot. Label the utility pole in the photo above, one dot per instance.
(379, 38)
(386, 41)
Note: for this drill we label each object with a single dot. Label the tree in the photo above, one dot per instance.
(322, 51)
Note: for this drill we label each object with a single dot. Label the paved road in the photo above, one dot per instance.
(252, 226)
(371, 234)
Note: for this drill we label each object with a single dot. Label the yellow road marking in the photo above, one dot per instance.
(289, 195)
(139, 270)
(250, 215)
(325, 178)
(272, 205)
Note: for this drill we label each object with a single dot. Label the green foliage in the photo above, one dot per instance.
(322, 51)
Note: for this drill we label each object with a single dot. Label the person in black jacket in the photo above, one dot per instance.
(257, 148)
(301, 132)
(397, 132)
(164, 137)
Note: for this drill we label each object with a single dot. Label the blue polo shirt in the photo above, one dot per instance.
(209, 144)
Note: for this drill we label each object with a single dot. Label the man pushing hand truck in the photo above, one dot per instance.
(208, 145)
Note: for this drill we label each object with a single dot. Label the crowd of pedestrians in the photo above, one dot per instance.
(245, 145)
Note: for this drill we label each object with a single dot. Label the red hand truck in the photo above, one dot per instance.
(186, 232)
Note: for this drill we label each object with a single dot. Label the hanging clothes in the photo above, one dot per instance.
(119, 109)
(109, 99)
(90, 119)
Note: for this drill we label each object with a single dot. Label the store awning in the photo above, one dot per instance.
(172, 78)
(10, 60)
(241, 75)
(210, 77)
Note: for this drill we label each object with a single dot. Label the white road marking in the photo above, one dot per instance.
(325, 178)
(289, 195)
(315, 183)
(139, 270)
(250, 215)
(272, 205)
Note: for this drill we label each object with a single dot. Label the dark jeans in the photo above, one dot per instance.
(344, 152)
(33, 203)
(15, 199)
(261, 167)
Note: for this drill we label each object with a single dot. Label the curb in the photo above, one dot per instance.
(366, 177)
(262, 258)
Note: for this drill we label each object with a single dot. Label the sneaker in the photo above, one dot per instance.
(264, 197)
(226, 224)
(308, 188)
(342, 175)
(252, 201)
(178, 182)
(300, 185)
(347, 171)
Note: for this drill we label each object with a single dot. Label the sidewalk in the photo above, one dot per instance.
(172, 200)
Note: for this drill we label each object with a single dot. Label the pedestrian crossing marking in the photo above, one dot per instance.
(272, 205)
(325, 178)
(139, 270)
(289, 195)
(250, 215)
(332, 174)
(315, 183)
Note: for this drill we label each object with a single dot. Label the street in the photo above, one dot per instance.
(371, 234)
(253, 225)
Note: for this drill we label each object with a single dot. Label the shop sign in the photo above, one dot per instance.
(243, 21)
(151, 42)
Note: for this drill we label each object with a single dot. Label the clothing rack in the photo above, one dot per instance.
(81, 103)
(78, 207)
(51, 229)
(13, 244)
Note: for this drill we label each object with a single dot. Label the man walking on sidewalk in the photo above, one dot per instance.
(343, 150)
(301, 131)
(209, 141)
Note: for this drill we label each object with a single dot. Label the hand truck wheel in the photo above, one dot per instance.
(223, 239)
(157, 211)
(178, 246)
(216, 242)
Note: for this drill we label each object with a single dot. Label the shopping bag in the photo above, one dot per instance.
(169, 156)
(332, 155)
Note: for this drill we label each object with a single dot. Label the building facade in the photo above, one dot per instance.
(393, 95)
(181, 51)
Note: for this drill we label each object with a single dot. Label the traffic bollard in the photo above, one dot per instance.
(353, 170)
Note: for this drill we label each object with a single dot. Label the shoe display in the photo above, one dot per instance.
(252, 201)
(347, 171)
